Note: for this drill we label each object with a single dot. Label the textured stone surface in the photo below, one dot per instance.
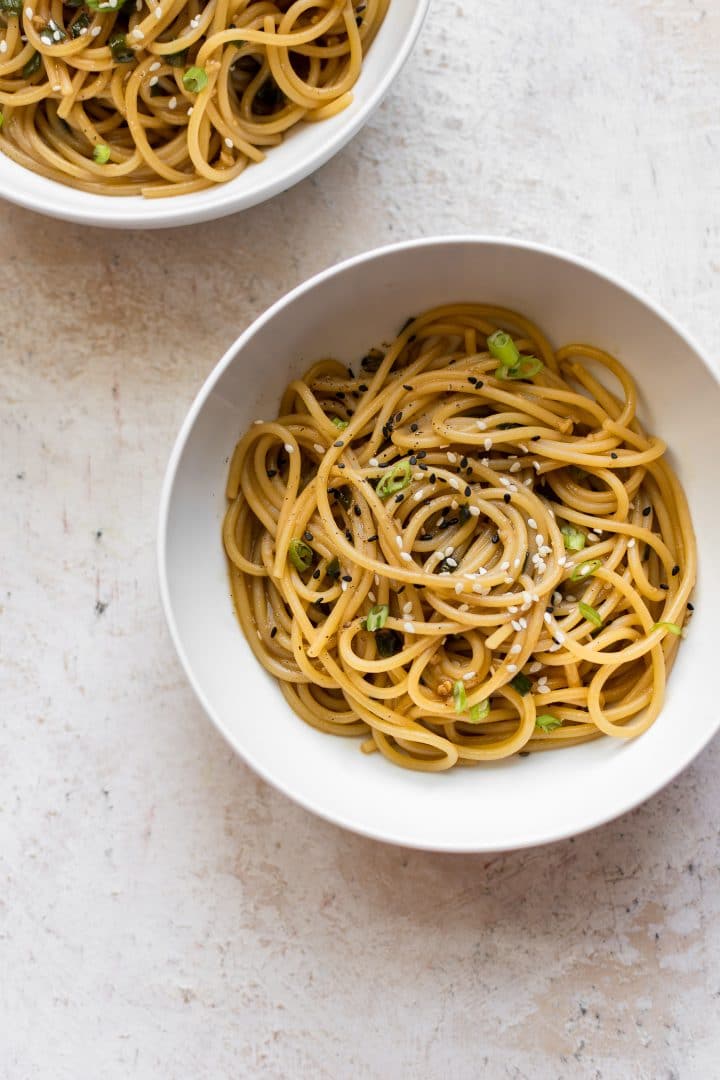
(163, 913)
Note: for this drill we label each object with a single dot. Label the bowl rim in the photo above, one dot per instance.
(646, 790)
(170, 212)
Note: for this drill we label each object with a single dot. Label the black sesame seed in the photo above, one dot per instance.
(349, 535)
(613, 455)
(413, 427)
(422, 453)
(316, 574)
(675, 570)
(399, 498)
(357, 510)
(426, 536)
(271, 473)
(423, 466)
(309, 537)
(432, 478)
(452, 521)
(398, 417)
(340, 394)
(463, 463)
(273, 632)
(534, 438)
(665, 588)
(468, 492)
(647, 510)
(339, 443)
(468, 471)
(406, 387)
(472, 379)
(351, 373)
(690, 607)
(373, 538)
(362, 388)
(495, 539)
(506, 497)
(347, 577)
(340, 465)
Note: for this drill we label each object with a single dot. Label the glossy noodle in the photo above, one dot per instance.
(465, 548)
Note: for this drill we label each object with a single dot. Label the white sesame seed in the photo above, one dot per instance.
(155, 66)
(528, 482)
(631, 542)
(523, 624)
(316, 446)
(505, 565)
(512, 610)
(485, 461)
(535, 667)
(258, 421)
(373, 463)
(536, 466)
(95, 31)
(229, 143)
(488, 444)
(504, 481)
(516, 626)
(547, 617)
(516, 563)
(516, 648)
(451, 563)
(288, 448)
(523, 447)
(406, 556)
(399, 541)
(469, 675)
(512, 668)
(475, 511)
(417, 496)
(3, 46)
(28, 13)
(407, 608)
(409, 627)
(57, 88)
(454, 483)
(376, 579)
(557, 597)
(539, 539)
(190, 110)
(560, 636)
(138, 33)
(515, 467)
(545, 550)
(158, 12)
(482, 570)
(154, 81)
(479, 589)
(480, 425)
(459, 587)
(449, 551)
(532, 523)
(592, 535)
(452, 458)
(562, 561)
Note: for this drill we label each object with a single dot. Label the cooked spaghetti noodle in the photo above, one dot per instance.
(165, 97)
(467, 549)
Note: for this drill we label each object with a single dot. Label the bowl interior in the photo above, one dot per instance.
(305, 149)
(512, 803)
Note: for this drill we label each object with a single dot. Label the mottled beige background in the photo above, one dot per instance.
(162, 912)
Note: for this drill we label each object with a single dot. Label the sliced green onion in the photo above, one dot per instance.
(388, 643)
(585, 569)
(574, 539)
(80, 23)
(671, 626)
(101, 154)
(503, 348)
(479, 712)
(301, 556)
(526, 368)
(459, 696)
(547, 722)
(52, 34)
(590, 614)
(176, 59)
(120, 49)
(521, 683)
(377, 617)
(333, 568)
(2, 119)
(340, 424)
(394, 479)
(11, 7)
(32, 66)
(195, 79)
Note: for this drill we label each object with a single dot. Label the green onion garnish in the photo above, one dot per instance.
(2, 119)
(671, 626)
(301, 556)
(479, 712)
(11, 7)
(521, 683)
(459, 696)
(101, 154)
(574, 539)
(333, 568)
(120, 49)
(394, 479)
(388, 643)
(547, 722)
(340, 424)
(590, 614)
(377, 617)
(526, 368)
(80, 23)
(585, 569)
(195, 79)
(32, 66)
(503, 348)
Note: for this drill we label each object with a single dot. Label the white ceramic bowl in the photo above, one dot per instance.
(305, 149)
(342, 312)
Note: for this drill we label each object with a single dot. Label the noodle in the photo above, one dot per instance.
(164, 97)
(470, 549)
